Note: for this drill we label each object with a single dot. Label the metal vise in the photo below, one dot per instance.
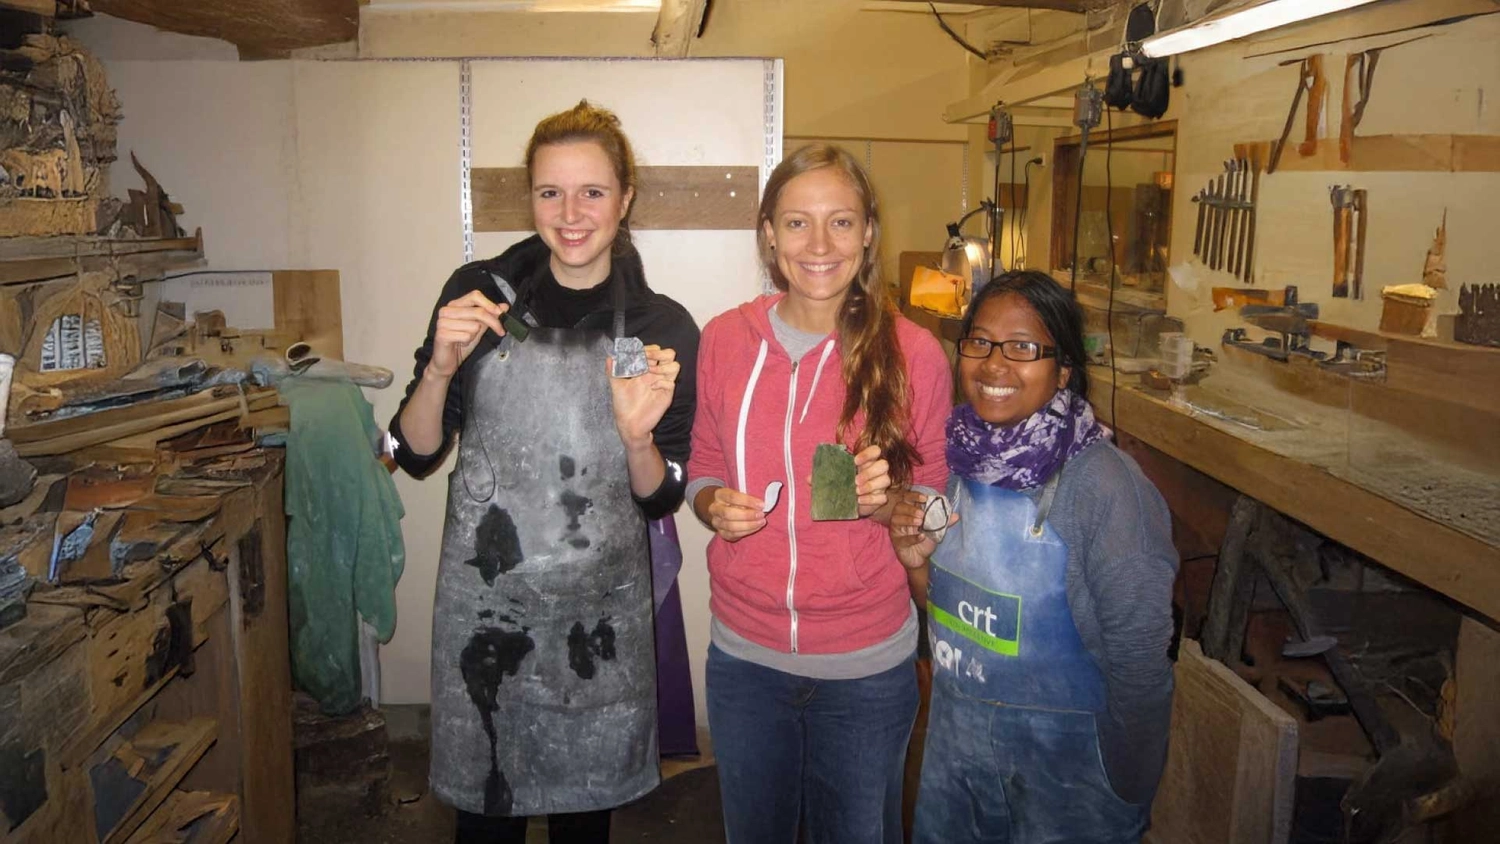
(1289, 321)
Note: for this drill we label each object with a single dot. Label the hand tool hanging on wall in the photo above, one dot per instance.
(1226, 221)
(1350, 224)
(1315, 96)
(1242, 212)
(1359, 73)
(1342, 199)
(1202, 213)
(1230, 216)
(1213, 199)
(1310, 78)
(1361, 215)
(1217, 232)
(1257, 153)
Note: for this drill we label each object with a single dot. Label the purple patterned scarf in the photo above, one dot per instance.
(1026, 454)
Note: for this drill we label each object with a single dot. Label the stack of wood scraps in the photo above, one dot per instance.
(143, 426)
(128, 495)
(104, 536)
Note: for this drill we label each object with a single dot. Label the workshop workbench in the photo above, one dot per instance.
(1434, 554)
(130, 705)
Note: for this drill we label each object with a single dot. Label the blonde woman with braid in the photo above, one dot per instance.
(811, 684)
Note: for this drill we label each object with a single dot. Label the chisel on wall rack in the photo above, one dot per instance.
(1341, 197)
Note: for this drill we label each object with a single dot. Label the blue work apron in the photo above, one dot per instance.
(1012, 750)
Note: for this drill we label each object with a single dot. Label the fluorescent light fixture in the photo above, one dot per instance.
(1264, 16)
(515, 5)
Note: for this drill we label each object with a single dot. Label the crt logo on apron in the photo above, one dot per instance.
(989, 621)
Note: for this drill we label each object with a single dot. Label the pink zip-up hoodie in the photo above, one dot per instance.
(798, 585)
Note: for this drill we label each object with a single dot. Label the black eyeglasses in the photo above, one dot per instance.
(1021, 351)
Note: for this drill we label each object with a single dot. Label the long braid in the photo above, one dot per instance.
(874, 370)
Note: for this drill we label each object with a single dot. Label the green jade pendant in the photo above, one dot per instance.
(833, 493)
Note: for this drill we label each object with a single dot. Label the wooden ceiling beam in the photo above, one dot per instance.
(1052, 5)
(260, 28)
(676, 26)
(45, 8)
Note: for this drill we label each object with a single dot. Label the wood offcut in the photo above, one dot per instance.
(668, 198)
(1231, 760)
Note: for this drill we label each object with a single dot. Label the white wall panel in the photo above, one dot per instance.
(709, 112)
(354, 166)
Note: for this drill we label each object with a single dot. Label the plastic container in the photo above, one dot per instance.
(7, 367)
(1176, 355)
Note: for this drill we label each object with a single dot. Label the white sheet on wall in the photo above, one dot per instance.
(354, 166)
(702, 112)
(246, 298)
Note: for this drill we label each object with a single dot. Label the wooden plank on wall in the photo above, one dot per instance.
(1476, 154)
(1465, 374)
(1449, 561)
(1401, 154)
(307, 304)
(1231, 762)
(702, 198)
(46, 8)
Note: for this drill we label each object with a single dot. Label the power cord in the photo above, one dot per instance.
(954, 35)
(1109, 226)
(1087, 103)
(997, 215)
(1014, 209)
(1083, 155)
(1025, 215)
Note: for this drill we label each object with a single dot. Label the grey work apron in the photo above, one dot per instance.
(543, 674)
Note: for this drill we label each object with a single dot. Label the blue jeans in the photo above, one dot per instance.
(826, 752)
(998, 774)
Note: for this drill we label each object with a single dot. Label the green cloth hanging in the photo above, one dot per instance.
(344, 547)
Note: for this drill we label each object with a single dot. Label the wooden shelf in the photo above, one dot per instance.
(191, 817)
(147, 765)
(25, 260)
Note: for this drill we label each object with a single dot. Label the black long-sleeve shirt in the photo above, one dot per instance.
(654, 318)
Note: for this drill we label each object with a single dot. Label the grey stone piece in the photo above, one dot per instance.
(630, 357)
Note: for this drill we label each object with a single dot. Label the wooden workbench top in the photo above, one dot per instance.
(1440, 556)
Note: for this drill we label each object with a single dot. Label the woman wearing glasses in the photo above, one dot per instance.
(1049, 601)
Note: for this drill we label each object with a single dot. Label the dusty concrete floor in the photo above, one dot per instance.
(684, 809)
